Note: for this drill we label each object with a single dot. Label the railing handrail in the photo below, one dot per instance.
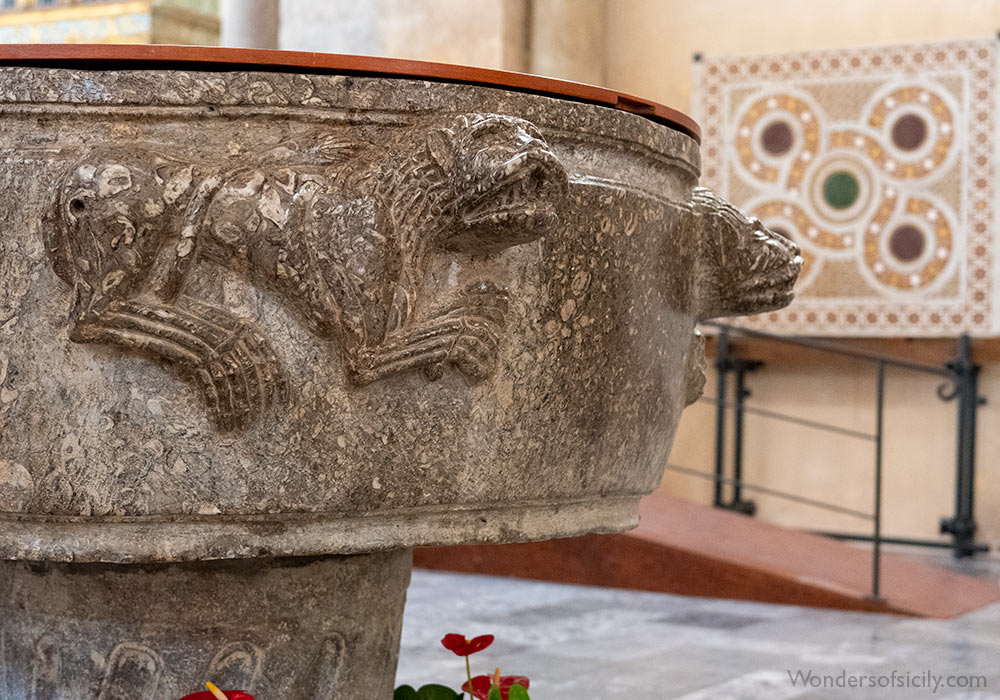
(795, 420)
(776, 493)
(834, 348)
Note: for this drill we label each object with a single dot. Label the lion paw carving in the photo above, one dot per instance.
(341, 231)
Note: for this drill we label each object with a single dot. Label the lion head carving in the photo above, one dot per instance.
(743, 268)
(508, 183)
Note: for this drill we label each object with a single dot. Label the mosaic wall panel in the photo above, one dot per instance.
(880, 163)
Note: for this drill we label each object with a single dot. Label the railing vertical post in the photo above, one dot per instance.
(962, 526)
(877, 517)
(721, 373)
(739, 393)
(740, 368)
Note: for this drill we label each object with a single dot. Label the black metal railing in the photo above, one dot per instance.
(961, 376)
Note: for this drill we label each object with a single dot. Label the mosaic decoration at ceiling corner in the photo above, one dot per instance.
(880, 164)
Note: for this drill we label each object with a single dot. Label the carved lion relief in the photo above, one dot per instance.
(341, 230)
(744, 268)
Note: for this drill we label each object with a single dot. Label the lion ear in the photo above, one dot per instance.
(441, 146)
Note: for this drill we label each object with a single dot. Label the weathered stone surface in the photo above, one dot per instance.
(253, 313)
(256, 316)
(316, 628)
(16, 487)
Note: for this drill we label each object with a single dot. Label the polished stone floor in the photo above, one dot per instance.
(583, 643)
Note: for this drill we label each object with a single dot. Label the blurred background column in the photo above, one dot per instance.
(567, 39)
(251, 24)
(557, 38)
(488, 33)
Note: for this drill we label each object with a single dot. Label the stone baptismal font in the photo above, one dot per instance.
(268, 321)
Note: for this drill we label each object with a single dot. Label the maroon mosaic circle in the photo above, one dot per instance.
(777, 138)
(909, 132)
(907, 243)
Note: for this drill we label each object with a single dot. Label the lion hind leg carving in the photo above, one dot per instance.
(467, 335)
(447, 342)
(233, 366)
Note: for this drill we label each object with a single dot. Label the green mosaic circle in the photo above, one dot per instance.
(841, 189)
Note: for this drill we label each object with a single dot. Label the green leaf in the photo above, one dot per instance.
(405, 692)
(437, 692)
(518, 692)
(494, 694)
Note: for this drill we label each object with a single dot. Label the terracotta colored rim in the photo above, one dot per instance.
(159, 56)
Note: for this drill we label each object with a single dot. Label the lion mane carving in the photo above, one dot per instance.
(341, 230)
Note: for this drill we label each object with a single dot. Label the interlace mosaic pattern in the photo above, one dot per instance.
(880, 164)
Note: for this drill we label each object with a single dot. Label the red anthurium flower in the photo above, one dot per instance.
(461, 646)
(481, 685)
(231, 694)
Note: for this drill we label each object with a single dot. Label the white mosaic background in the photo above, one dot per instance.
(881, 164)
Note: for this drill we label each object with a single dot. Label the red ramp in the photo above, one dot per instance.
(690, 549)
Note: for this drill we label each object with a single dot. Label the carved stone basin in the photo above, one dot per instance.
(264, 328)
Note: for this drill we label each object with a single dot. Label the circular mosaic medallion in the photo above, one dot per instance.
(777, 138)
(907, 243)
(909, 132)
(908, 248)
(841, 189)
(776, 133)
(918, 132)
(838, 195)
